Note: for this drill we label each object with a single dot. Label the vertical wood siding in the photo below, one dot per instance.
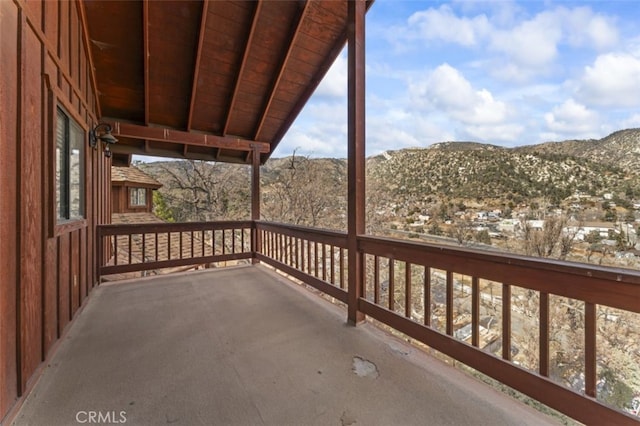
(46, 271)
(8, 223)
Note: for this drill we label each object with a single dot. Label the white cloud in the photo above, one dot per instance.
(507, 134)
(572, 118)
(533, 43)
(613, 80)
(442, 24)
(586, 29)
(447, 90)
(334, 83)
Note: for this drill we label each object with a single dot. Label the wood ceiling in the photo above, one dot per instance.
(209, 80)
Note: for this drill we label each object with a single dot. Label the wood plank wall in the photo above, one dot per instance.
(46, 270)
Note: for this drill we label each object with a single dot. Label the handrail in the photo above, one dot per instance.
(319, 258)
(153, 246)
(614, 287)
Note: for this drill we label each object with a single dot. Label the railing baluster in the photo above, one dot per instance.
(427, 296)
(144, 247)
(475, 311)
(324, 262)
(392, 290)
(333, 272)
(203, 244)
(155, 243)
(315, 259)
(180, 245)
(115, 249)
(169, 245)
(590, 368)
(376, 279)
(224, 241)
(309, 257)
(506, 322)
(544, 334)
(282, 248)
(297, 252)
(449, 304)
(342, 268)
(407, 290)
(233, 241)
(130, 243)
(192, 253)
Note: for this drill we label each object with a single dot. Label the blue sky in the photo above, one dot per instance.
(502, 72)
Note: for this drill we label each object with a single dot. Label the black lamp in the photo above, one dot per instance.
(102, 132)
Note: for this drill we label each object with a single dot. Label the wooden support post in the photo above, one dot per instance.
(256, 245)
(356, 155)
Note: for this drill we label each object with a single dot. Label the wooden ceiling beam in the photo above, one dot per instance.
(321, 71)
(145, 59)
(283, 65)
(196, 67)
(245, 56)
(163, 134)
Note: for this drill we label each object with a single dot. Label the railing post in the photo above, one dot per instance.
(255, 204)
(356, 155)
(99, 253)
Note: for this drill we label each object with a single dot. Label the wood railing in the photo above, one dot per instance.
(149, 247)
(317, 257)
(447, 298)
(542, 327)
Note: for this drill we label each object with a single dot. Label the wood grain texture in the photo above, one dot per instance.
(64, 311)
(8, 224)
(30, 207)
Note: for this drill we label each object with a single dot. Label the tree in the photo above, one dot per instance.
(308, 192)
(460, 230)
(483, 237)
(554, 239)
(204, 191)
(161, 208)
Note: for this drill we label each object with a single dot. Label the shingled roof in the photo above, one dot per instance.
(133, 175)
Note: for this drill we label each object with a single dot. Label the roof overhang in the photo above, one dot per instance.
(209, 80)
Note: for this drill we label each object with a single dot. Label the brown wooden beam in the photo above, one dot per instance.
(145, 59)
(356, 155)
(196, 67)
(243, 64)
(163, 134)
(283, 65)
(255, 204)
(315, 81)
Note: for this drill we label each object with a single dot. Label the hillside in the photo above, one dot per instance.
(313, 191)
(621, 148)
(491, 173)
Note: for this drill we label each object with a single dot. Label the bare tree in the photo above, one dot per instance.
(199, 190)
(308, 192)
(554, 239)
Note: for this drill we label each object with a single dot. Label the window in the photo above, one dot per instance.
(70, 140)
(137, 197)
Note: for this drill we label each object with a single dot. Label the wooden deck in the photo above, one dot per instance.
(244, 346)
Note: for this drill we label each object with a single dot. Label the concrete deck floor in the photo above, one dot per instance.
(244, 346)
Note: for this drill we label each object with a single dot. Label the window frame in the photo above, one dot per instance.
(56, 102)
(136, 189)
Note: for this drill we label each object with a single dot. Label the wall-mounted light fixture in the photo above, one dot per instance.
(102, 132)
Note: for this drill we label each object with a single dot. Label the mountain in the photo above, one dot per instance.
(621, 148)
(420, 178)
(473, 171)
